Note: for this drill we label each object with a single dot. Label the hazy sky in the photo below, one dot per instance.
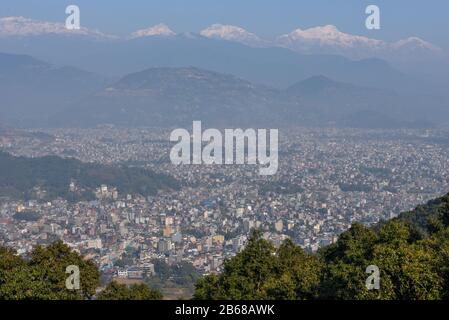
(267, 18)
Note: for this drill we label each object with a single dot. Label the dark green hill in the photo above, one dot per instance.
(21, 177)
(425, 218)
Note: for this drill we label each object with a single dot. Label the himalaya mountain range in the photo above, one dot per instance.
(223, 75)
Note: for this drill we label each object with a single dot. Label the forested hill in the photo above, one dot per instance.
(23, 178)
(425, 218)
(411, 252)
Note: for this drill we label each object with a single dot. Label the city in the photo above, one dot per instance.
(327, 180)
(209, 158)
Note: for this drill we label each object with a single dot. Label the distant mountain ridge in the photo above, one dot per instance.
(166, 97)
(170, 97)
(32, 89)
(158, 45)
(220, 48)
(317, 84)
(327, 37)
(18, 26)
(37, 94)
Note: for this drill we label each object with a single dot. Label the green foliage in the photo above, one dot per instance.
(19, 176)
(424, 217)
(43, 276)
(9, 262)
(262, 272)
(116, 291)
(182, 274)
(407, 268)
(298, 273)
(411, 252)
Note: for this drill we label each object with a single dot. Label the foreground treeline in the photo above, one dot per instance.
(411, 253)
(42, 276)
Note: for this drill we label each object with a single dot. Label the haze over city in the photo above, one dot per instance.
(353, 122)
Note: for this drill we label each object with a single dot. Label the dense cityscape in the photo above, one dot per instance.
(201, 159)
(327, 179)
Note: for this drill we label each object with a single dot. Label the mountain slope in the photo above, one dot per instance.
(176, 96)
(233, 33)
(273, 66)
(160, 30)
(172, 96)
(321, 100)
(31, 89)
(17, 26)
(226, 48)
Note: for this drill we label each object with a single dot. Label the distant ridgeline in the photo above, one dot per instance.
(50, 177)
(411, 253)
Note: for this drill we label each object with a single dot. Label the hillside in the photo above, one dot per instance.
(32, 89)
(275, 66)
(172, 97)
(50, 177)
(166, 97)
(37, 94)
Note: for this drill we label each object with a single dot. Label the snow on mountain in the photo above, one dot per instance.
(232, 33)
(415, 43)
(328, 39)
(157, 30)
(317, 40)
(327, 35)
(21, 26)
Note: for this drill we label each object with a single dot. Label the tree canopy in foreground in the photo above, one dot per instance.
(411, 252)
(42, 276)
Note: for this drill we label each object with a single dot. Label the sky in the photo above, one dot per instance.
(267, 18)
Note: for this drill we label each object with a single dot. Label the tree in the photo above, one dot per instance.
(298, 274)
(411, 267)
(43, 275)
(346, 261)
(116, 291)
(244, 275)
(438, 245)
(407, 272)
(9, 263)
(207, 288)
(262, 272)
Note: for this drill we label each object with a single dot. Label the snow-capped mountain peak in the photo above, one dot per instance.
(327, 35)
(160, 29)
(328, 39)
(231, 33)
(320, 31)
(21, 26)
(416, 43)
